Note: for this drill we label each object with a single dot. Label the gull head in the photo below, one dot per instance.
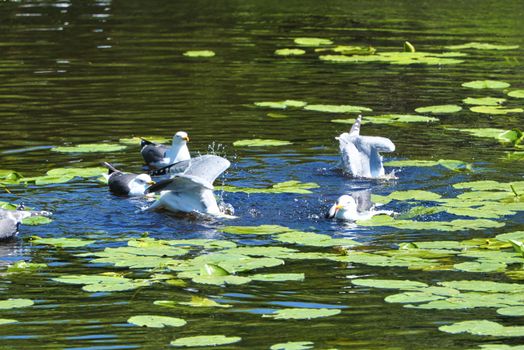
(139, 184)
(180, 137)
(345, 208)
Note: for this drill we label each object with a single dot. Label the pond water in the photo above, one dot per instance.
(98, 71)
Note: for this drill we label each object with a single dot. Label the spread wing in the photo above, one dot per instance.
(363, 200)
(207, 167)
(8, 228)
(353, 160)
(181, 183)
(380, 144)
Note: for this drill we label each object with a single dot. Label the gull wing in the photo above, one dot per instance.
(181, 183)
(380, 144)
(8, 228)
(363, 200)
(353, 160)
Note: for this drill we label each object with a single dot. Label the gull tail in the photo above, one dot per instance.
(111, 168)
(355, 129)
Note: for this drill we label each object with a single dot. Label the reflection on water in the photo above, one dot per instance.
(96, 71)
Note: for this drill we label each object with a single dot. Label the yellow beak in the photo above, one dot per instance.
(338, 207)
(151, 182)
(186, 138)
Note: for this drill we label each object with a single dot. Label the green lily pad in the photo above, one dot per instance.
(278, 277)
(439, 109)
(483, 132)
(484, 286)
(260, 143)
(154, 321)
(281, 104)
(484, 101)
(137, 140)
(199, 53)
(388, 284)
(62, 242)
(9, 177)
(486, 84)
(495, 110)
(36, 220)
(23, 266)
(90, 148)
(314, 239)
(289, 52)
(7, 321)
(302, 313)
(312, 42)
(293, 345)
(411, 163)
(15, 303)
(205, 340)
(506, 237)
(481, 266)
(337, 108)
(516, 93)
(277, 115)
(511, 311)
(485, 328)
(389, 119)
(413, 297)
(481, 46)
(349, 50)
(282, 187)
(255, 230)
(197, 301)
(399, 58)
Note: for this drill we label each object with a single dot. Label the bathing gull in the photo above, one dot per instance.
(360, 154)
(357, 206)
(191, 190)
(10, 220)
(157, 155)
(127, 184)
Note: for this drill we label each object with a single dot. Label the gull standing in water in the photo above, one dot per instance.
(10, 220)
(157, 155)
(126, 184)
(360, 154)
(354, 207)
(191, 190)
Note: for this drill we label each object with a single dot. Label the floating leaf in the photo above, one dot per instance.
(411, 163)
(400, 58)
(255, 230)
(484, 101)
(278, 277)
(484, 286)
(15, 303)
(349, 50)
(199, 53)
(481, 266)
(89, 148)
(289, 52)
(495, 110)
(486, 84)
(389, 119)
(293, 345)
(202, 302)
(314, 239)
(282, 187)
(516, 93)
(205, 340)
(23, 266)
(9, 176)
(511, 311)
(507, 237)
(36, 220)
(213, 270)
(484, 327)
(62, 242)
(302, 313)
(260, 143)
(413, 297)
(281, 104)
(137, 140)
(154, 321)
(388, 284)
(337, 108)
(439, 109)
(483, 132)
(312, 42)
(481, 46)
(7, 321)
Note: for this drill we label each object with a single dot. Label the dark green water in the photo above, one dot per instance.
(97, 71)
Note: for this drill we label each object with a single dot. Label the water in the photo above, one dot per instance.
(96, 71)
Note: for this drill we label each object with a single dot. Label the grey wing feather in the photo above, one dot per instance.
(181, 183)
(355, 129)
(363, 200)
(207, 167)
(153, 153)
(381, 144)
(118, 183)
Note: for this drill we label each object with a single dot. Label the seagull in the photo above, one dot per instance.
(126, 184)
(10, 220)
(157, 156)
(354, 207)
(191, 190)
(360, 154)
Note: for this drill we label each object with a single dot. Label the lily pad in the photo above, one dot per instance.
(484, 101)
(282, 187)
(7, 321)
(281, 104)
(197, 301)
(199, 53)
(15, 303)
(278, 277)
(511, 311)
(154, 321)
(137, 140)
(312, 42)
(481, 46)
(486, 84)
(439, 109)
(337, 108)
(260, 143)
(205, 340)
(62, 242)
(255, 230)
(388, 284)
(36, 220)
(289, 52)
(90, 148)
(302, 313)
(399, 58)
(516, 93)
(495, 110)
(293, 345)
(413, 297)
(23, 266)
(411, 163)
(483, 327)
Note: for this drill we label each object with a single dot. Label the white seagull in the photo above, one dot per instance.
(191, 190)
(126, 184)
(360, 154)
(354, 207)
(10, 220)
(157, 155)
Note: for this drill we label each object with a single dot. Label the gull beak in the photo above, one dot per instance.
(151, 182)
(333, 211)
(186, 138)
